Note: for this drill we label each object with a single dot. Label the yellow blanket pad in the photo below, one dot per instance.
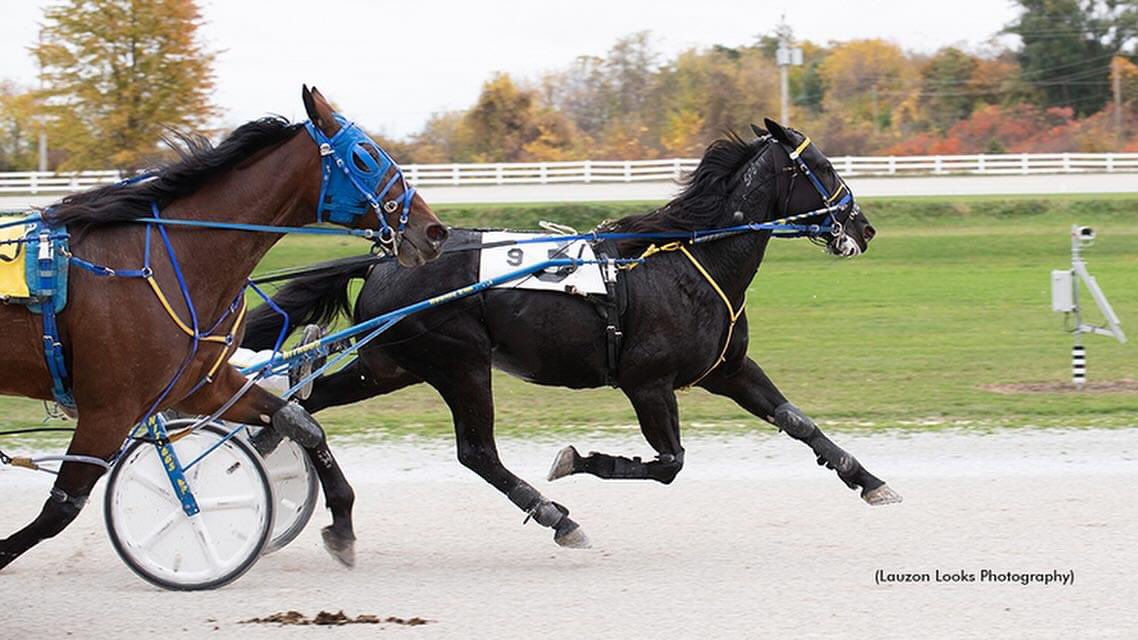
(13, 271)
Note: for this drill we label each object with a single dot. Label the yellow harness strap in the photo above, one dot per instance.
(174, 316)
(225, 340)
(223, 356)
(732, 313)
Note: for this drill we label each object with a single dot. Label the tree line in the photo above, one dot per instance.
(117, 71)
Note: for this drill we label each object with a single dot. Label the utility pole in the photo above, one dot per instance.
(1116, 77)
(41, 118)
(786, 56)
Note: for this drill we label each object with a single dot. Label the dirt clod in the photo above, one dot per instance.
(327, 618)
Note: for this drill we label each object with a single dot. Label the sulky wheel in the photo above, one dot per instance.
(164, 546)
(296, 489)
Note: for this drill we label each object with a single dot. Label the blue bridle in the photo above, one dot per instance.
(353, 165)
(839, 210)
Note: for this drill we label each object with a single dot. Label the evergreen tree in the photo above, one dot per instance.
(1067, 47)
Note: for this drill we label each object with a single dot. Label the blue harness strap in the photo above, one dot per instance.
(47, 273)
(352, 167)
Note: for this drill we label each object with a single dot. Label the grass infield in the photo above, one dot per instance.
(945, 322)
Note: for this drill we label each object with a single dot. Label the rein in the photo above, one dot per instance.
(781, 228)
(352, 165)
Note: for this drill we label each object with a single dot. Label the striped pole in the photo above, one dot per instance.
(1079, 365)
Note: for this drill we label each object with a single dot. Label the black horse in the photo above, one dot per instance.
(678, 329)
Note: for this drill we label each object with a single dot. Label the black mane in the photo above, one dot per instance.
(701, 203)
(200, 160)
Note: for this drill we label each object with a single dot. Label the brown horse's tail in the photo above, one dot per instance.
(307, 300)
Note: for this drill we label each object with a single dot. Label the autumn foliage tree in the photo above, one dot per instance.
(869, 80)
(508, 123)
(18, 128)
(118, 72)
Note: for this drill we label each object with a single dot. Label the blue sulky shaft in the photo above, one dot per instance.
(391, 317)
(376, 326)
(28, 219)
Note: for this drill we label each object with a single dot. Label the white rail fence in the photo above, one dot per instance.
(589, 171)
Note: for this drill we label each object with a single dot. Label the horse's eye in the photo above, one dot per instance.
(359, 162)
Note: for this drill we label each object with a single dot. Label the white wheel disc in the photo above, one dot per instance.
(295, 492)
(164, 546)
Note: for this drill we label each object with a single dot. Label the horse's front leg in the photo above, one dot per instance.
(98, 435)
(753, 390)
(259, 407)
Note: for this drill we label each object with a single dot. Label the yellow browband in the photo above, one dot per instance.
(801, 148)
(798, 152)
(732, 313)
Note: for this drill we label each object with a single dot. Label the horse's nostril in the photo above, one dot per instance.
(437, 233)
(869, 232)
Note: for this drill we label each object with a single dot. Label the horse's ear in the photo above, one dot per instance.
(778, 131)
(319, 110)
(309, 104)
(759, 131)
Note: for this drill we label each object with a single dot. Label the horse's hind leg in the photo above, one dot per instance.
(259, 407)
(753, 390)
(358, 381)
(656, 411)
(467, 393)
(68, 495)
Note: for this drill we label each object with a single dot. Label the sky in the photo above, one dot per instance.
(390, 65)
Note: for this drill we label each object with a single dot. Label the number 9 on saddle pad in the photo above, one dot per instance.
(501, 254)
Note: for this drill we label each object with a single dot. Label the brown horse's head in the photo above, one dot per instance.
(371, 193)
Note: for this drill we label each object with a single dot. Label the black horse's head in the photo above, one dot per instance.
(779, 175)
(807, 190)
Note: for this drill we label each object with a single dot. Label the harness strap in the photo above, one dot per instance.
(611, 307)
(52, 345)
(223, 339)
(732, 313)
(222, 356)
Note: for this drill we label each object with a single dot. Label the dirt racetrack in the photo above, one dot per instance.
(752, 540)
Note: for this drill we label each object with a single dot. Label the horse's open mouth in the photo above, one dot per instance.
(845, 246)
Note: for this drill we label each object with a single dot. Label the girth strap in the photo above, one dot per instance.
(611, 307)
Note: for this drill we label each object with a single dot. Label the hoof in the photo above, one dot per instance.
(296, 424)
(881, 495)
(341, 548)
(564, 463)
(574, 538)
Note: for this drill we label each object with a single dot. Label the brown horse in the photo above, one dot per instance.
(121, 346)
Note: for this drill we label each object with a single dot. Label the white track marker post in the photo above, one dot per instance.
(1065, 299)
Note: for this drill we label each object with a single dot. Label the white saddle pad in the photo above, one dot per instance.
(498, 261)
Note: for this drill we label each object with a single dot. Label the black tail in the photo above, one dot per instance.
(306, 300)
